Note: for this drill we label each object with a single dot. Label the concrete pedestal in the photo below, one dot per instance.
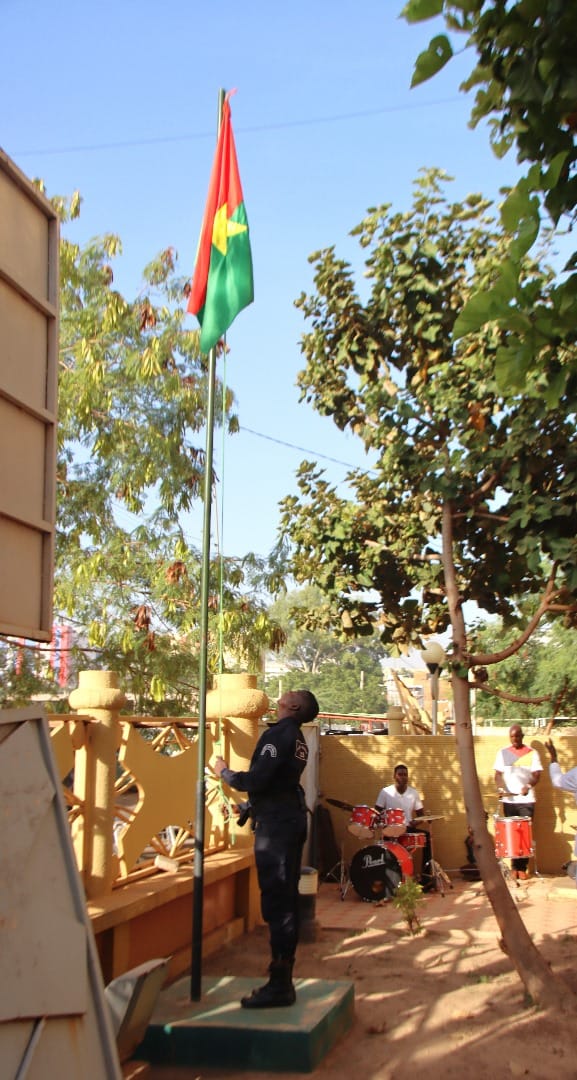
(218, 1032)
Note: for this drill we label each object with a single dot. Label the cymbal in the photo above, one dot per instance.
(429, 817)
(341, 805)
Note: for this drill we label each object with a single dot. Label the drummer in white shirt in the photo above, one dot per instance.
(518, 770)
(400, 796)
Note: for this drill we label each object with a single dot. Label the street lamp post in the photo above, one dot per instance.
(434, 656)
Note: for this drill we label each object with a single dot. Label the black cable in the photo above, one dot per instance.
(156, 140)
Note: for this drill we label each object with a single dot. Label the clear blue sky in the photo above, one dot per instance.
(119, 101)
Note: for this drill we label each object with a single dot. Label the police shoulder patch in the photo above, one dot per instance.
(301, 751)
(269, 748)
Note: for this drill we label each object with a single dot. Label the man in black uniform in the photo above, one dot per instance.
(279, 820)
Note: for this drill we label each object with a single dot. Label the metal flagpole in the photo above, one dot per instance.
(198, 894)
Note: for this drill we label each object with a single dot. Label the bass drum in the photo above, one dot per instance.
(377, 871)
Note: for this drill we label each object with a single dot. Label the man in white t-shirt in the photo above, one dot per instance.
(518, 769)
(400, 796)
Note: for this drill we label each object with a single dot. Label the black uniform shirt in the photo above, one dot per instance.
(273, 778)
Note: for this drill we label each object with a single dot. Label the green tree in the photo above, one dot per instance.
(511, 690)
(473, 496)
(525, 83)
(537, 681)
(137, 612)
(24, 671)
(132, 396)
(302, 616)
(345, 677)
(554, 671)
(351, 684)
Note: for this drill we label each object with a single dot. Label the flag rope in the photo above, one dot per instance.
(227, 802)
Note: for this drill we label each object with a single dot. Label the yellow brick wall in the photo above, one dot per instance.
(355, 768)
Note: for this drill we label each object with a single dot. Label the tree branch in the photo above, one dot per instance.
(483, 514)
(484, 488)
(504, 696)
(485, 659)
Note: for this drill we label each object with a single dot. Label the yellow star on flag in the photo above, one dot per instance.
(224, 227)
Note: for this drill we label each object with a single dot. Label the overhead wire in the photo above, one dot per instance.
(312, 121)
(303, 450)
(315, 454)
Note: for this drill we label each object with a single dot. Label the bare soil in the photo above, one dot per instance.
(443, 1003)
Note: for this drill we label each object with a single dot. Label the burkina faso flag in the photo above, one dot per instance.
(222, 284)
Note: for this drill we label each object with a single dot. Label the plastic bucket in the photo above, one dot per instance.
(308, 889)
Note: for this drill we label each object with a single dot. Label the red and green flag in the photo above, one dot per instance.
(222, 283)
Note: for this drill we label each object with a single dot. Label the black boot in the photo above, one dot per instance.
(279, 989)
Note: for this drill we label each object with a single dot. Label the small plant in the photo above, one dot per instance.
(407, 899)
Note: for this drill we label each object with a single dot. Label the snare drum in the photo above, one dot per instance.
(363, 822)
(513, 837)
(394, 823)
(413, 840)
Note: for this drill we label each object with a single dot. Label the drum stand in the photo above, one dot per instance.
(340, 873)
(441, 879)
(507, 870)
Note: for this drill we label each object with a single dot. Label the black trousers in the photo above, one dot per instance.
(278, 848)
(526, 809)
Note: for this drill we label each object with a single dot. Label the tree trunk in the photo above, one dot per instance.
(544, 988)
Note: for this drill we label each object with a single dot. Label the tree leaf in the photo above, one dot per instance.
(512, 364)
(419, 10)
(432, 60)
(527, 233)
(481, 308)
(551, 177)
(516, 207)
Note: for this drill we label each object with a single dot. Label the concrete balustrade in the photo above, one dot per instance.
(148, 916)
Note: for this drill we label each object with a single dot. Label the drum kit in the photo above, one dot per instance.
(377, 870)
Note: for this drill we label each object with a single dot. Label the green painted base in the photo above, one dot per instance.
(216, 1031)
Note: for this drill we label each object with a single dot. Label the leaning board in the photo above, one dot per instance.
(54, 1020)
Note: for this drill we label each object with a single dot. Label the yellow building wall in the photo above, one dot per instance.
(353, 769)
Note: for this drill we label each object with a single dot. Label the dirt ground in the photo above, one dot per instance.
(443, 1003)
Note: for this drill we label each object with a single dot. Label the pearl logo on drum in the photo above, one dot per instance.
(369, 860)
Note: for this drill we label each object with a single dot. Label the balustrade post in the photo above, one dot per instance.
(236, 700)
(98, 698)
